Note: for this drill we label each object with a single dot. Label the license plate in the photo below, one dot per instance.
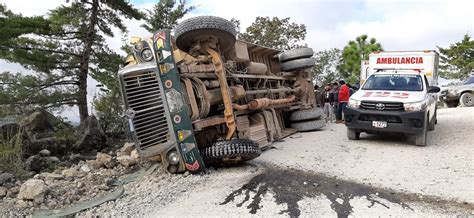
(379, 124)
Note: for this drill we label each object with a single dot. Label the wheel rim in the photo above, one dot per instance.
(468, 99)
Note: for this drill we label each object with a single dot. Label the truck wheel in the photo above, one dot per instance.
(310, 114)
(420, 140)
(230, 152)
(194, 27)
(297, 64)
(352, 134)
(432, 124)
(466, 100)
(308, 125)
(296, 54)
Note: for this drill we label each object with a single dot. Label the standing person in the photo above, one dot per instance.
(318, 96)
(343, 98)
(335, 93)
(328, 100)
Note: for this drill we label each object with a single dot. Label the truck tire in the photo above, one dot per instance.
(352, 134)
(310, 114)
(191, 28)
(432, 124)
(296, 54)
(420, 140)
(466, 100)
(297, 64)
(230, 152)
(308, 125)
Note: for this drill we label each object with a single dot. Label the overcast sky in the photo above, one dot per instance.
(397, 25)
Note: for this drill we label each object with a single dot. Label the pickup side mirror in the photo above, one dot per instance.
(433, 89)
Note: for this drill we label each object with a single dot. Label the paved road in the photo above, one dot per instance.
(323, 173)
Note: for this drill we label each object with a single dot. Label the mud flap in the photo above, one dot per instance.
(182, 126)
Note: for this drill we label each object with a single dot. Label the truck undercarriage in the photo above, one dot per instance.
(207, 96)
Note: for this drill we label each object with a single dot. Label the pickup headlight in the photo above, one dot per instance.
(415, 106)
(353, 103)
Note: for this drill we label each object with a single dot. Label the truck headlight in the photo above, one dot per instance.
(173, 157)
(415, 106)
(146, 54)
(353, 103)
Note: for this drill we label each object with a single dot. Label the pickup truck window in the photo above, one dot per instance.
(469, 80)
(396, 82)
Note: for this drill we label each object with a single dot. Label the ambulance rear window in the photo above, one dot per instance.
(397, 82)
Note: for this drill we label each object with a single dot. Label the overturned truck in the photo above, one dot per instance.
(203, 97)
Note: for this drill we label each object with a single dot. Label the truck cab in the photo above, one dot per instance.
(399, 98)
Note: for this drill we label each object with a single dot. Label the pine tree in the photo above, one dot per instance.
(165, 15)
(457, 61)
(61, 49)
(353, 54)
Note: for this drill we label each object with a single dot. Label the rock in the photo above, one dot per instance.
(45, 153)
(121, 153)
(41, 164)
(50, 176)
(126, 161)
(94, 164)
(13, 192)
(6, 178)
(105, 160)
(91, 136)
(22, 204)
(32, 189)
(128, 148)
(135, 154)
(84, 168)
(3, 192)
(38, 130)
(71, 172)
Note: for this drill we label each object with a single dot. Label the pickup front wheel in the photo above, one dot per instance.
(352, 134)
(420, 140)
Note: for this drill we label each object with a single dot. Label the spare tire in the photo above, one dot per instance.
(297, 64)
(231, 151)
(296, 54)
(191, 28)
(308, 125)
(309, 114)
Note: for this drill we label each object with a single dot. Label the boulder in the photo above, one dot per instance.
(128, 148)
(6, 178)
(85, 168)
(91, 137)
(126, 161)
(45, 153)
(41, 164)
(32, 189)
(135, 154)
(3, 192)
(38, 131)
(105, 160)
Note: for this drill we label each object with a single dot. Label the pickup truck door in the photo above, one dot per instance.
(431, 100)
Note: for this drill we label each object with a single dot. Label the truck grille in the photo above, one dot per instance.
(144, 96)
(388, 106)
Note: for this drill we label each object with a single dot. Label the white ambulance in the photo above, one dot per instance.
(398, 94)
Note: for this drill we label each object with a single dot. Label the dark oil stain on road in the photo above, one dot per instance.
(289, 186)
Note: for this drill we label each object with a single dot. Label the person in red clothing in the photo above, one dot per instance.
(343, 98)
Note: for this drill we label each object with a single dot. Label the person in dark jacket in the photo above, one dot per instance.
(343, 98)
(318, 96)
(328, 101)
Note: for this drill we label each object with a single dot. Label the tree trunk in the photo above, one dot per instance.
(85, 60)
